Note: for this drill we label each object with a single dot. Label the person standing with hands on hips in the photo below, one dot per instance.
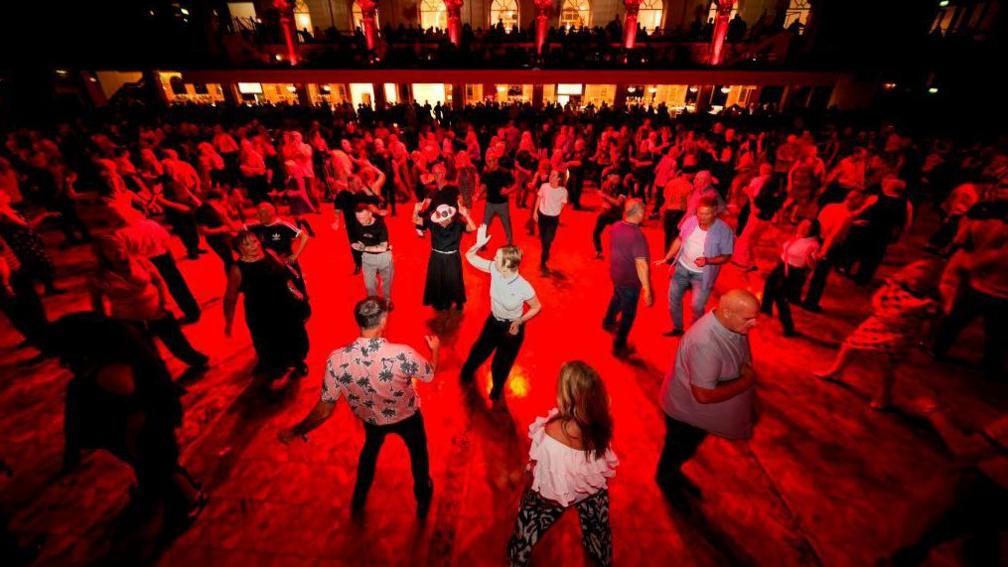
(504, 330)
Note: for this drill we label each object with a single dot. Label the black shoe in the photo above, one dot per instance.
(673, 333)
(610, 328)
(189, 319)
(423, 504)
(792, 334)
(810, 307)
(599, 256)
(201, 362)
(622, 351)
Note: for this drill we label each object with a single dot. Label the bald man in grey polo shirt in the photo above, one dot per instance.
(710, 388)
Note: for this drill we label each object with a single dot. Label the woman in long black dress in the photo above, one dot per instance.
(446, 224)
(275, 309)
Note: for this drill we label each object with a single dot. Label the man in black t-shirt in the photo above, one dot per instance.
(346, 202)
(278, 235)
(373, 244)
(497, 184)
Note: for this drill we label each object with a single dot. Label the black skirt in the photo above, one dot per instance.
(444, 281)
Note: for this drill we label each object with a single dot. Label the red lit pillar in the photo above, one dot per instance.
(724, 9)
(454, 9)
(630, 23)
(286, 9)
(543, 9)
(369, 10)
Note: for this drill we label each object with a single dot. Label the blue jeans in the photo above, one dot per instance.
(682, 280)
(624, 303)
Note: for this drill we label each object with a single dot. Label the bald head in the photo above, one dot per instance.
(737, 310)
(633, 211)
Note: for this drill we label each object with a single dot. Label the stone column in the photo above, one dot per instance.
(543, 10)
(720, 30)
(454, 8)
(286, 10)
(369, 10)
(630, 23)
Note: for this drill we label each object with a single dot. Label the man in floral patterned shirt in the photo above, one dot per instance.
(376, 378)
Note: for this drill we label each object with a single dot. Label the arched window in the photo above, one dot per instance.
(712, 13)
(504, 12)
(797, 13)
(433, 14)
(358, 17)
(302, 17)
(575, 14)
(650, 15)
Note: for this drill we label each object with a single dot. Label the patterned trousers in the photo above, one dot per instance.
(537, 514)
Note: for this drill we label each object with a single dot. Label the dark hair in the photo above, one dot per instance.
(708, 201)
(369, 311)
(241, 236)
(814, 227)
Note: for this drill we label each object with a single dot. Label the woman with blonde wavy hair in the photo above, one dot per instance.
(571, 462)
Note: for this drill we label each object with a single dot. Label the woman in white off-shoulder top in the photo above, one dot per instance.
(570, 463)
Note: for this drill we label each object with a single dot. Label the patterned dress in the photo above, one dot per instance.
(895, 323)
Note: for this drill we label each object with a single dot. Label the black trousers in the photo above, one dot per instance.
(681, 442)
(971, 304)
(624, 304)
(168, 330)
(781, 289)
(184, 225)
(547, 232)
(495, 339)
(219, 244)
(575, 185)
(605, 219)
(25, 310)
(817, 284)
(177, 285)
(412, 432)
(670, 223)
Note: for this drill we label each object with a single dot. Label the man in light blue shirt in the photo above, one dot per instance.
(704, 243)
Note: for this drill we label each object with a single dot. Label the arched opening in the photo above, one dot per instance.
(357, 16)
(433, 14)
(575, 14)
(504, 12)
(649, 16)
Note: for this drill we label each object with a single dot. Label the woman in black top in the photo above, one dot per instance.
(346, 202)
(275, 308)
(122, 399)
(218, 225)
(880, 225)
(446, 224)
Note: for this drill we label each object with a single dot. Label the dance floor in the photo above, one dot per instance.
(824, 481)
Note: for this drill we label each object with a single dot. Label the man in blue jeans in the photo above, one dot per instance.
(630, 272)
(704, 243)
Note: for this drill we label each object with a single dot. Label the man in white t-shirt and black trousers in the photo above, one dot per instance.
(504, 331)
(549, 205)
(376, 253)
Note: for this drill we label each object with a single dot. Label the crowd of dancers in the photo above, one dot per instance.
(251, 184)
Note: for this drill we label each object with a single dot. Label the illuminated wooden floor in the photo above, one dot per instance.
(825, 480)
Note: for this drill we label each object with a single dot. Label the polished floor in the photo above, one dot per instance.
(824, 481)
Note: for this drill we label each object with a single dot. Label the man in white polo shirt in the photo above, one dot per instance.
(549, 205)
(504, 329)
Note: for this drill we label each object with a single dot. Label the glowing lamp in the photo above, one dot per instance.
(693, 89)
(278, 57)
(889, 86)
(933, 90)
(291, 89)
(943, 4)
(631, 89)
(652, 90)
(725, 90)
(325, 88)
(185, 11)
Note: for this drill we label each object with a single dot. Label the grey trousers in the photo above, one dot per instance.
(375, 266)
(504, 212)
